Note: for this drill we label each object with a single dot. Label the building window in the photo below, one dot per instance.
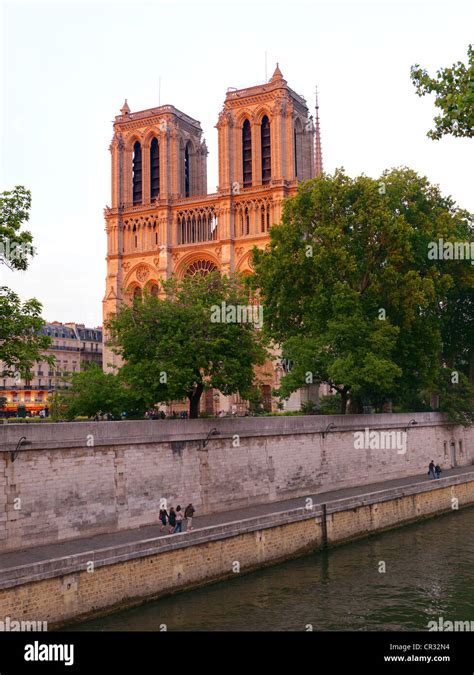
(137, 173)
(247, 153)
(266, 150)
(298, 148)
(154, 169)
(295, 153)
(202, 267)
(137, 294)
(247, 221)
(186, 171)
(197, 225)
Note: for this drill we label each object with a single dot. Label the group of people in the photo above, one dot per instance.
(174, 519)
(434, 471)
(154, 414)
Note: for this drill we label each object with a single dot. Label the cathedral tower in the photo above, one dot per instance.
(162, 222)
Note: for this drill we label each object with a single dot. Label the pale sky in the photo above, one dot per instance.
(66, 68)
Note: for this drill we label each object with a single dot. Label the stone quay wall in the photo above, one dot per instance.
(72, 480)
(104, 581)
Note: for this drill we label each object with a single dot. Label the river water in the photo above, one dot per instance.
(429, 573)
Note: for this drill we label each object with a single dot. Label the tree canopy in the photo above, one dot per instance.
(16, 245)
(21, 344)
(176, 346)
(94, 392)
(454, 90)
(351, 294)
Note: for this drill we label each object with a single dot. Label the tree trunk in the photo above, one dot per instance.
(343, 401)
(194, 399)
(355, 406)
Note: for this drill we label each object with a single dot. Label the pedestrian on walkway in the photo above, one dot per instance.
(172, 520)
(438, 471)
(179, 520)
(163, 518)
(431, 470)
(188, 514)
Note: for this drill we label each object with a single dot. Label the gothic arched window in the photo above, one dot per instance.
(154, 169)
(137, 294)
(187, 171)
(247, 221)
(266, 150)
(137, 173)
(202, 267)
(298, 148)
(247, 153)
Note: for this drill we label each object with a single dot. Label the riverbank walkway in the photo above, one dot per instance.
(77, 546)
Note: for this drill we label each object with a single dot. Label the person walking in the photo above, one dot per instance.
(163, 518)
(438, 471)
(431, 470)
(172, 520)
(188, 514)
(179, 520)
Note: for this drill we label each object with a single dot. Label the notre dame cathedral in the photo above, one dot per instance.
(162, 221)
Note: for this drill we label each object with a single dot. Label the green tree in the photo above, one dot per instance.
(349, 289)
(16, 245)
(454, 90)
(174, 347)
(455, 397)
(94, 392)
(21, 344)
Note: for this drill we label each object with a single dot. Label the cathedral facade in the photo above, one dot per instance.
(162, 221)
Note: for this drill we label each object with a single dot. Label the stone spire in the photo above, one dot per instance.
(318, 155)
(277, 75)
(125, 110)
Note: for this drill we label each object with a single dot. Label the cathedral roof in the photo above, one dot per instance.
(125, 109)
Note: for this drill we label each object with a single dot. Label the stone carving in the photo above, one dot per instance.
(142, 273)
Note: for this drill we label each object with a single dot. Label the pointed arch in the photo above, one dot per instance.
(188, 152)
(154, 168)
(202, 262)
(246, 153)
(262, 112)
(265, 139)
(137, 173)
(298, 147)
(137, 294)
